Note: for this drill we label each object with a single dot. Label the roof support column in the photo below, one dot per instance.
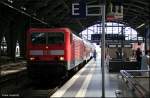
(103, 50)
(11, 43)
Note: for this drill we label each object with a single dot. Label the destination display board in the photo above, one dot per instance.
(119, 46)
(97, 37)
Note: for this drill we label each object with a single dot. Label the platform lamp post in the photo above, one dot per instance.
(103, 49)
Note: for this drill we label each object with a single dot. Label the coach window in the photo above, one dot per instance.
(70, 38)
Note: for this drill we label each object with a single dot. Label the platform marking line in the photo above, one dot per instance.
(83, 89)
(68, 84)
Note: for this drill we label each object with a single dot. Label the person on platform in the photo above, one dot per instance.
(107, 59)
(139, 57)
(94, 55)
(118, 53)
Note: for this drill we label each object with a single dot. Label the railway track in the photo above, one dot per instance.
(40, 93)
(10, 77)
(18, 84)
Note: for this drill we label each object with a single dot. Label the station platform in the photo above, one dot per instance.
(88, 82)
(11, 68)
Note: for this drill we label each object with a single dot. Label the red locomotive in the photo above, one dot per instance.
(54, 52)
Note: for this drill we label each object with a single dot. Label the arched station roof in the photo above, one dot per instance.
(56, 13)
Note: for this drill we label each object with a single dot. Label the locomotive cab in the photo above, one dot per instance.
(46, 51)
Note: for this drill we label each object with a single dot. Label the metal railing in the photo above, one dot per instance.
(133, 83)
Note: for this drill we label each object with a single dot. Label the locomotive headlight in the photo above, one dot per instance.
(61, 58)
(32, 58)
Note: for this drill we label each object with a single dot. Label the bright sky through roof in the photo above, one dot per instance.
(112, 28)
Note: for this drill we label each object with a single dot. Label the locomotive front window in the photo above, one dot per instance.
(38, 38)
(55, 38)
(47, 38)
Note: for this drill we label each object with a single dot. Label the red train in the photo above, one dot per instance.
(55, 51)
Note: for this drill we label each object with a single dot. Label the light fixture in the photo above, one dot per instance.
(140, 26)
(23, 8)
(11, 1)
